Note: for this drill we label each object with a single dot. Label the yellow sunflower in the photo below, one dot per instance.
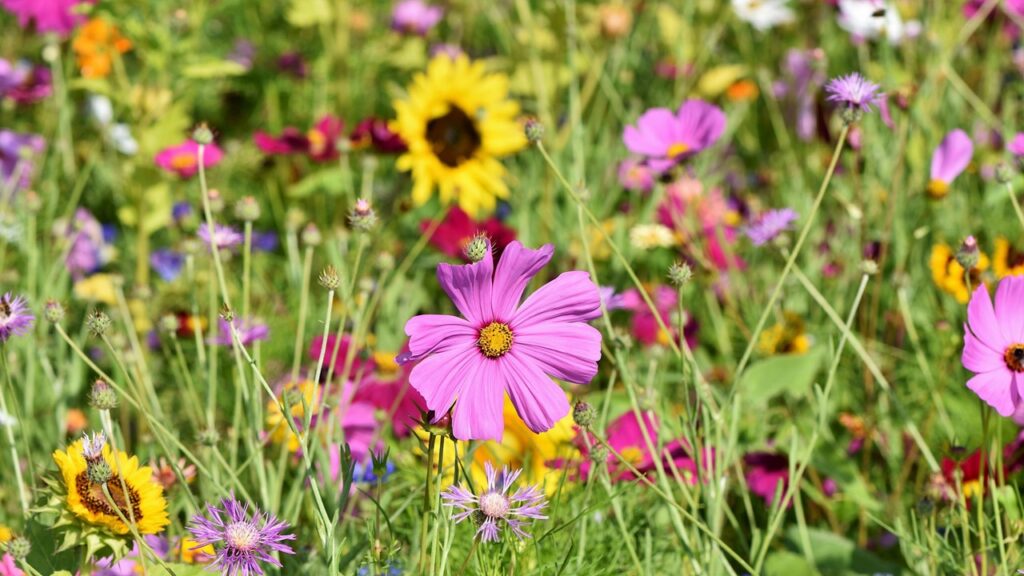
(457, 122)
(87, 500)
(948, 274)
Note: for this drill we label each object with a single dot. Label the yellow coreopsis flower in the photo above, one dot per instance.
(1006, 260)
(948, 274)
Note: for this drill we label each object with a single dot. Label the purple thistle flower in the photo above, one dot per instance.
(242, 540)
(494, 508)
(769, 225)
(853, 91)
(15, 317)
(223, 236)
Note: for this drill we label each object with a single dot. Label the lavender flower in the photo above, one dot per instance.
(167, 263)
(15, 317)
(853, 91)
(494, 507)
(769, 225)
(415, 17)
(249, 331)
(223, 236)
(17, 155)
(242, 540)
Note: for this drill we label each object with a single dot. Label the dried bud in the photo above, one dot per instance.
(362, 217)
(311, 235)
(680, 273)
(202, 134)
(97, 323)
(968, 255)
(19, 548)
(247, 209)
(329, 278)
(583, 414)
(102, 396)
(477, 248)
(53, 311)
(534, 130)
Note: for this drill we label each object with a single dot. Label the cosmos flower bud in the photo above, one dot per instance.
(19, 548)
(534, 130)
(440, 428)
(97, 323)
(680, 273)
(247, 209)
(967, 256)
(477, 248)
(202, 134)
(362, 217)
(53, 311)
(311, 235)
(102, 396)
(329, 278)
(583, 414)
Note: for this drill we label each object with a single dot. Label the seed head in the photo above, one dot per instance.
(53, 311)
(583, 414)
(680, 273)
(97, 323)
(208, 437)
(202, 134)
(102, 396)
(477, 248)
(329, 278)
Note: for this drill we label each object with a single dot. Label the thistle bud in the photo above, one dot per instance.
(202, 134)
(311, 235)
(534, 130)
(680, 273)
(216, 201)
(583, 414)
(968, 255)
(599, 454)
(247, 209)
(851, 114)
(329, 278)
(102, 396)
(1004, 173)
(98, 471)
(19, 548)
(477, 248)
(362, 217)
(53, 311)
(208, 437)
(97, 323)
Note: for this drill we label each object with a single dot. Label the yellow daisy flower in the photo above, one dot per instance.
(948, 274)
(5, 534)
(277, 426)
(457, 121)
(785, 337)
(87, 500)
(1006, 260)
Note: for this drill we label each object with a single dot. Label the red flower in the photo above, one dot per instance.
(458, 228)
(319, 143)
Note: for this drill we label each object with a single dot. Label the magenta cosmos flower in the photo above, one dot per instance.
(665, 138)
(243, 539)
(495, 507)
(48, 15)
(319, 142)
(183, 159)
(501, 346)
(948, 161)
(1016, 145)
(994, 345)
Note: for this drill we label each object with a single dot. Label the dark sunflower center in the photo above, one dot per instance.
(453, 137)
(1014, 257)
(1014, 357)
(96, 502)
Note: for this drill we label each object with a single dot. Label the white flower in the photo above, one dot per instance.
(648, 236)
(123, 140)
(870, 19)
(763, 14)
(100, 109)
(6, 420)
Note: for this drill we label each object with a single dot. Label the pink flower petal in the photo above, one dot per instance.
(538, 400)
(982, 320)
(1009, 310)
(517, 266)
(699, 124)
(952, 156)
(440, 378)
(567, 351)
(469, 287)
(436, 333)
(478, 413)
(978, 357)
(650, 135)
(571, 297)
(996, 388)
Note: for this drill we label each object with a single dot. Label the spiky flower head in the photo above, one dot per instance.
(854, 94)
(208, 437)
(680, 273)
(478, 247)
(968, 255)
(102, 396)
(15, 317)
(19, 547)
(97, 322)
(243, 539)
(534, 130)
(329, 278)
(362, 217)
(583, 414)
(494, 508)
(53, 311)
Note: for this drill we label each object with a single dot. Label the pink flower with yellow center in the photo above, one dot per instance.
(183, 159)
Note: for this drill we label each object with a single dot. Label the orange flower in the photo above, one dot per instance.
(742, 91)
(95, 45)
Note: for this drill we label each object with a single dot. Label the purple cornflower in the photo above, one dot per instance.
(167, 263)
(769, 225)
(17, 155)
(15, 317)
(494, 507)
(242, 540)
(249, 331)
(853, 91)
(223, 236)
(415, 17)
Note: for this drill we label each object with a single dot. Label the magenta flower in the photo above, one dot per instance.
(949, 160)
(853, 91)
(767, 473)
(23, 82)
(1016, 145)
(494, 507)
(645, 326)
(183, 159)
(8, 567)
(665, 138)
(242, 539)
(994, 345)
(319, 142)
(415, 17)
(48, 15)
(502, 346)
(15, 317)
(626, 436)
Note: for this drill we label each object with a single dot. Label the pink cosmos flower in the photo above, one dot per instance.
(415, 17)
(8, 567)
(666, 138)
(626, 436)
(994, 345)
(765, 473)
(949, 160)
(1016, 145)
(645, 327)
(635, 176)
(49, 15)
(319, 143)
(183, 159)
(502, 346)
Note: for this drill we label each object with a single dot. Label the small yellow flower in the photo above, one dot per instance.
(649, 236)
(5, 534)
(785, 337)
(97, 288)
(1006, 260)
(277, 426)
(190, 554)
(144, 502)
(948, 274)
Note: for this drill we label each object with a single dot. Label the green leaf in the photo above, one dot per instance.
(169, 130)
(44, 556)
(158, 209)
(306, 13)
(791, 373)
(329, 180)
(835, 555)
(184, 570)
(785, 563)
(213, 68)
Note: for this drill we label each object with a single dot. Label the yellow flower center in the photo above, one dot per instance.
(453, 137)
(317, 141)
(632, 454)
(183, 161)
(678, 149)
(938, 188)
(495, 339)
(971, 488)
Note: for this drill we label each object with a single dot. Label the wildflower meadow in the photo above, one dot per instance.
(511, 287)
